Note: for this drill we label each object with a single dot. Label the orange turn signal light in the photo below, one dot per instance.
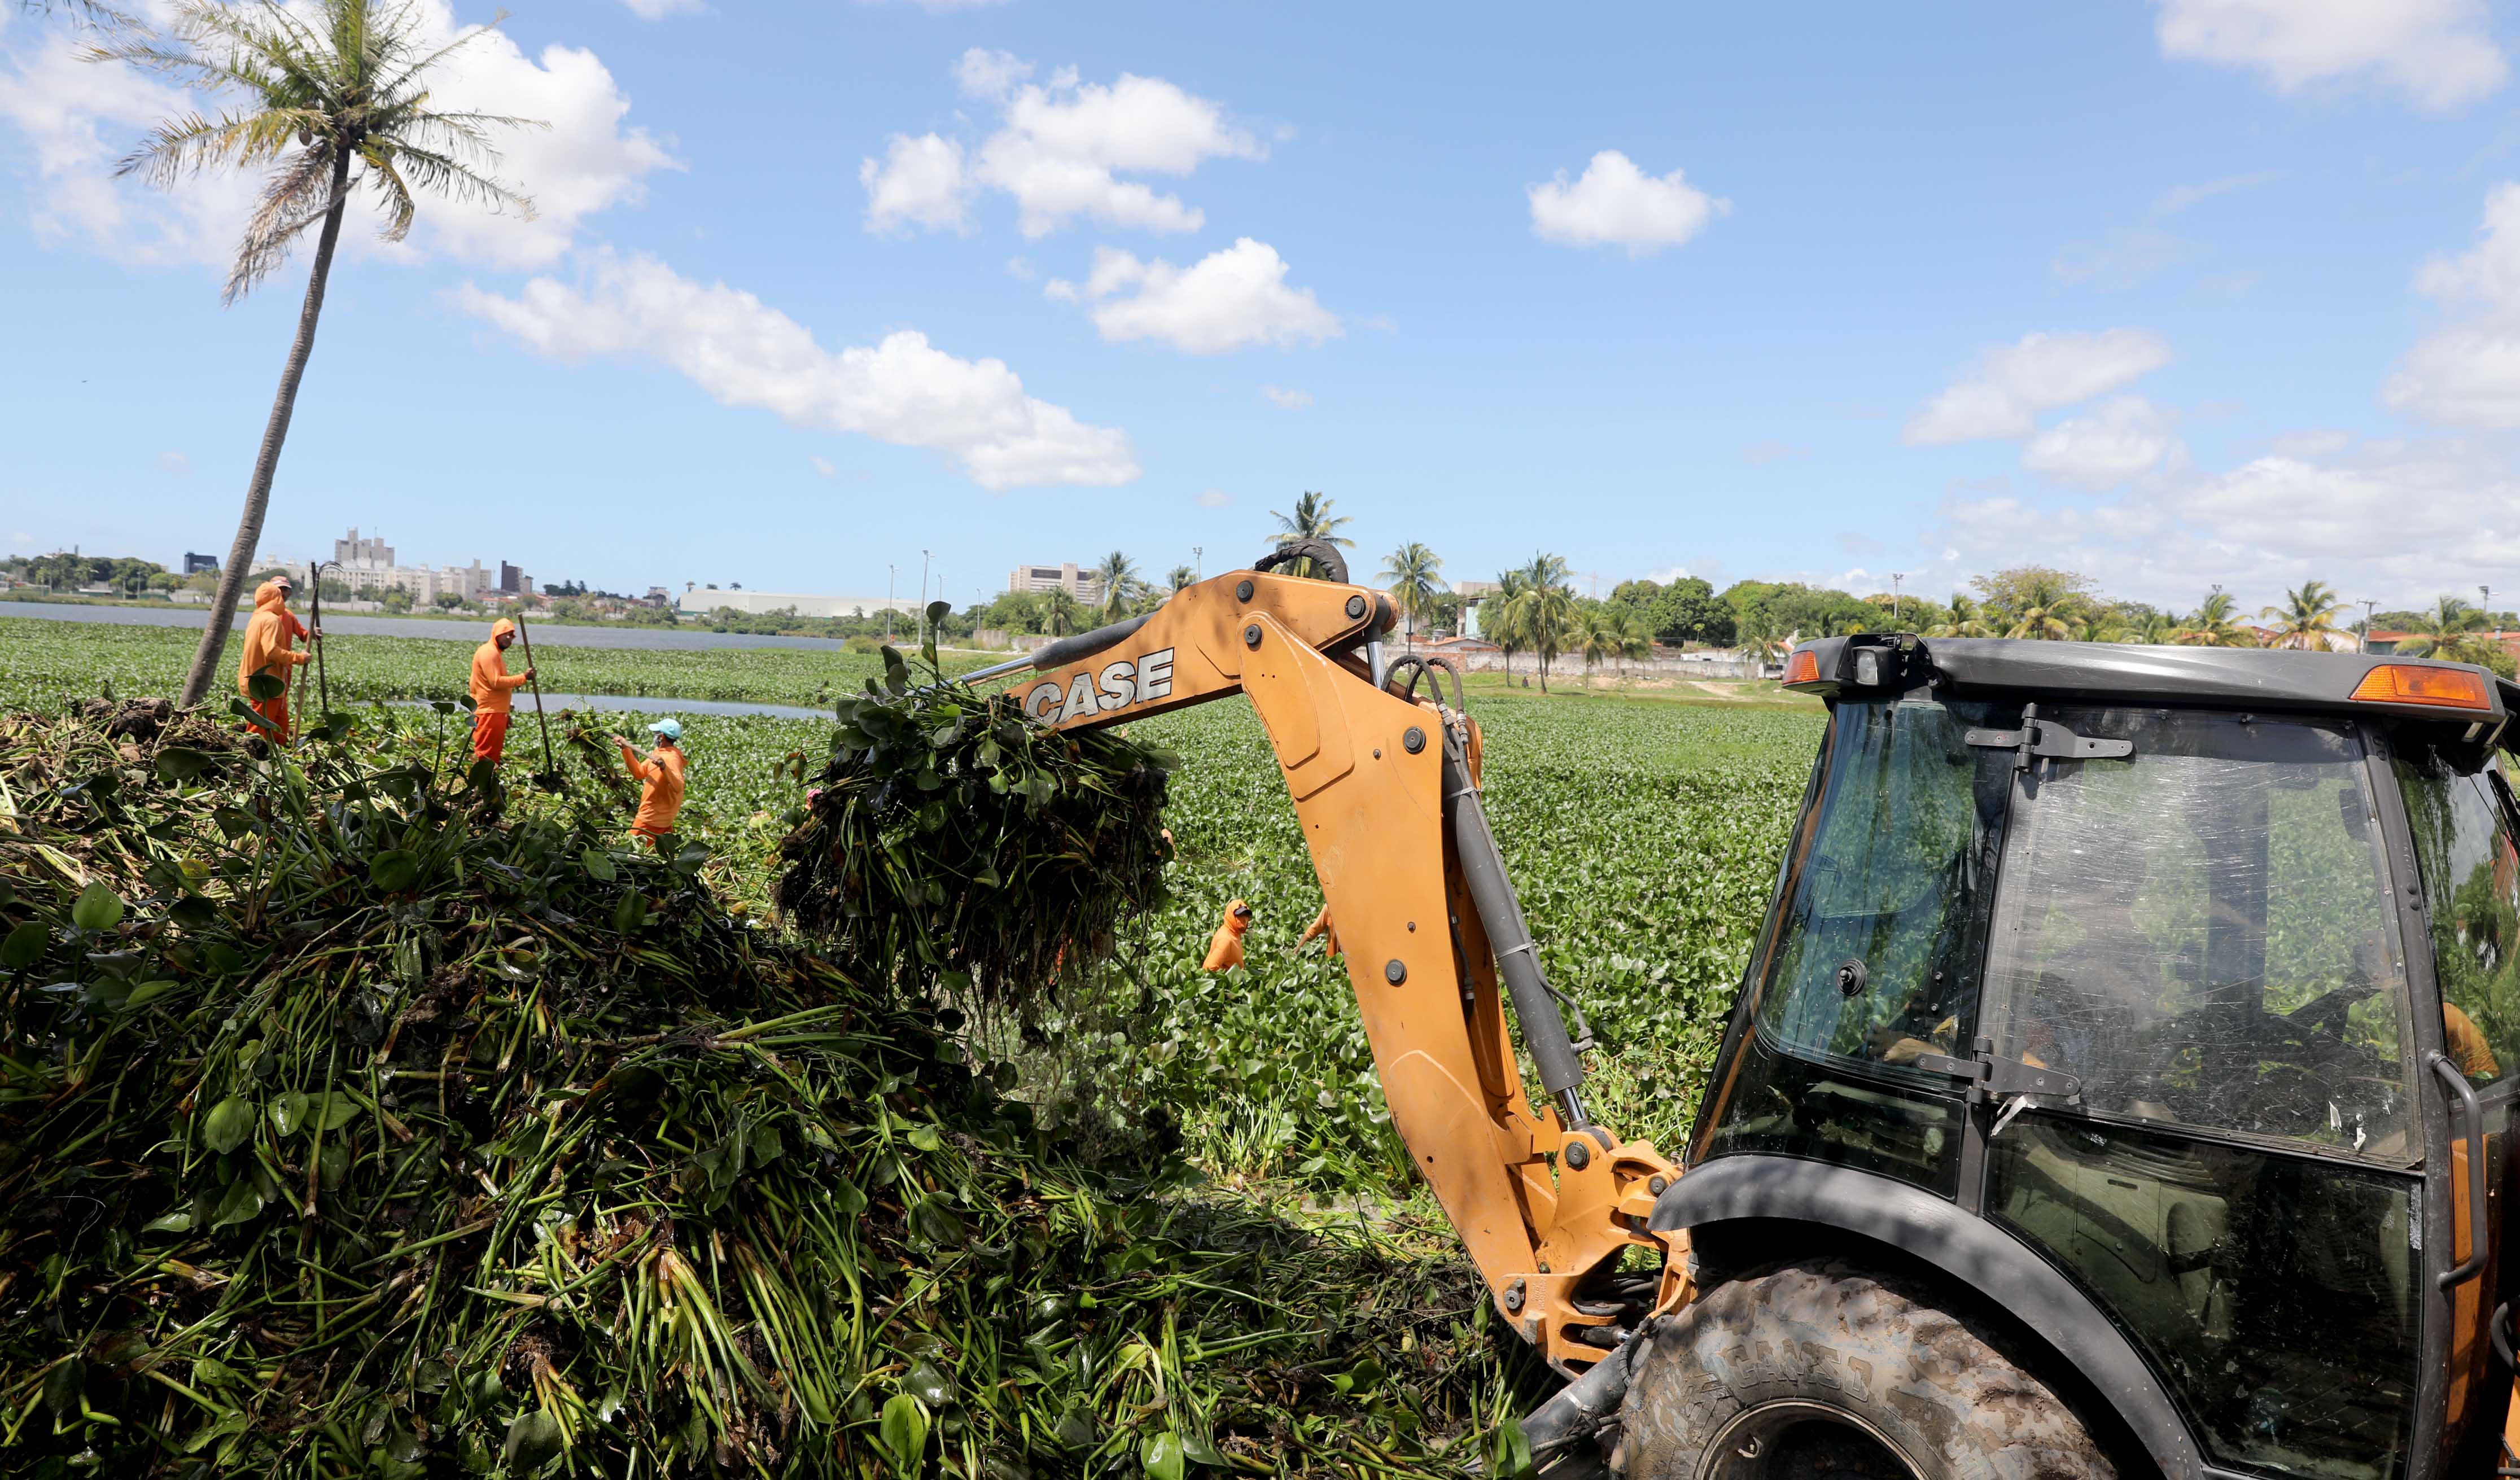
(1803, 667)
(2410, 683)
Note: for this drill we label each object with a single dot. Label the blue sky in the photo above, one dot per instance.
(2172, 294)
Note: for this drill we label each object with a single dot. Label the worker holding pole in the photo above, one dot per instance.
(491, 684)
(270, 637)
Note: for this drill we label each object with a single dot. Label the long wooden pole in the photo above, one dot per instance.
(297, 709)
(323, 680)
(526, 640)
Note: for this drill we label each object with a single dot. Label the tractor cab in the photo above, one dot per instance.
(2162, 1004)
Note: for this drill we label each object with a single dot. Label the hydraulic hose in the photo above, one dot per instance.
(1544, 1032)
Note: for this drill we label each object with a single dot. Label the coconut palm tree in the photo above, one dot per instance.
(1118, 575)
(1413, 571)
(1598, 635)
(2307, 618)
(1546, 612)
(2446, 632)
(1059, 611)
(1501, 618)
(1181, 576)
(1636, 637)
(2212, 625)
(1311, 521)
(2157, 628)
(330, 97)
(2049, 611)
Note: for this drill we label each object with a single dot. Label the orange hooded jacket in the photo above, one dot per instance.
(660, 798)
(491, 681)
(1225, 947)
(268, 635)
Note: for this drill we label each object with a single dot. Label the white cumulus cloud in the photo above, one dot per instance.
(743, 352)
(658, 10)
(1285, 399)
(74, 118)
(922, 181)
(2439, 53)
(1617, 205)
(823, 466)
(2107, 446)
(2003, 394)
(1231, 299)
(1060, 152)
(2467, 371)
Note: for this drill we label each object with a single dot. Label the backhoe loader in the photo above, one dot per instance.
(2120, 1083)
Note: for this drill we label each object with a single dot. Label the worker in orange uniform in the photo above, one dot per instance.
(1322, 926)
(269, 638)
(492, 683)
(660, 797)
(1225, 947)
(2468, 1050)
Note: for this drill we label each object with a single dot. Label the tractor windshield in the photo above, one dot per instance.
(2200, 933)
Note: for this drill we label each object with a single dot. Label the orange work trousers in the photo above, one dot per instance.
(490, 736)
(275, 710)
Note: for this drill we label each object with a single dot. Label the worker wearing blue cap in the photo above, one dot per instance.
(660, 773)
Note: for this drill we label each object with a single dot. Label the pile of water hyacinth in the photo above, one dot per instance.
(360, 1118)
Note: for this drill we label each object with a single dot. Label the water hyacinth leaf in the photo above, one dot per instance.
(1160, 1455)
(846, 1200)
(228, 1124)
(533, 1441)
(926, 1384)
(763, 1146)
(64, 1388)
(1509, 1451)
(289, 1112)
(598, 865)
(178, 1222)
(338, 1110)
(263, 688)
(926, 1138)
(146, 993)
(243, 1203)
(1199, 1449)
(182, 763)
(98, 909)
(394, 870)
(903, 1430)
(932, 1220)
(194, 912)
(24, 946)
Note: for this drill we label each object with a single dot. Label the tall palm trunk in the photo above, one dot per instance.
(257, 494)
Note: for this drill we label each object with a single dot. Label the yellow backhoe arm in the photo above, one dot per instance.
(1385, 787)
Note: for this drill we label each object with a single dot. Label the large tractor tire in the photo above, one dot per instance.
(1819, 1370)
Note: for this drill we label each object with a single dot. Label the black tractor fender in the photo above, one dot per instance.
(1747, 1188)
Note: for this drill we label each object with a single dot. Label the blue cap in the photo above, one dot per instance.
(670, 729)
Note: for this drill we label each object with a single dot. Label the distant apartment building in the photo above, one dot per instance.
(197, 564)
(367, 564)
(1040, 580)
(699, 601)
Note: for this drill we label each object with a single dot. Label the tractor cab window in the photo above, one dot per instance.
(2471, 881)
(1877, 948)
(2200, 933)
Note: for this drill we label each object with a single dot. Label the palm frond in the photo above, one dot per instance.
(296, 196)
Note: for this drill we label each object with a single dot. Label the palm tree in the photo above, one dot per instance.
(1501, 618)
(2100, 627)
(1059, 612)
(1600, 633)
(1311, 521)
(1181, 576)
(1412, 569)
(2049, 611)
(2212, 626)
(1120, 577)
(347, 82)
(2307, 618)
(2446, 632)
(2157, 629)
(1545, 612)
(1963, 618)
(1636, 637)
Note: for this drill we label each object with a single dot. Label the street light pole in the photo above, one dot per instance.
(2364, 642)
(1198, 561)
(1896, 576)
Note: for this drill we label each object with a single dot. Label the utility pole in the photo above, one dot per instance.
(2363, 643)
(2485, 599)
(891, 574)
(1198, 561)
(1896, 576)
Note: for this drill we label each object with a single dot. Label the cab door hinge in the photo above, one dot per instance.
(2045, 737)
(2010, 1081)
